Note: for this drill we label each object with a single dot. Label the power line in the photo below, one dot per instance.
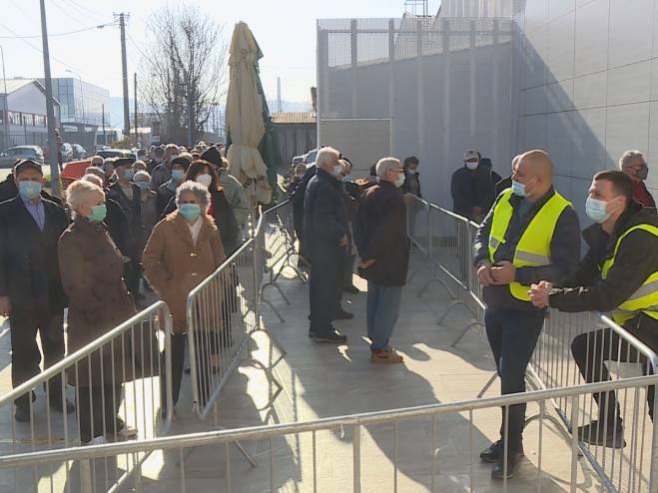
(69, 13)
(91, 28)
(134, 43)
(82, 9)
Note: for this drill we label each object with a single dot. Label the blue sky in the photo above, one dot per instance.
(285, 29)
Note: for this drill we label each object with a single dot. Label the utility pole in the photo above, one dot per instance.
(135, 102)
(103, 123)
(124, 65)
(5, 106)
(50, 110)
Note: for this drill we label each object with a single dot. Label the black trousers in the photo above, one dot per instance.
(99, 407)
(132, 272)
(593, 349)
(205, 346)
(325, 287)
(25, 355)
(348, 273)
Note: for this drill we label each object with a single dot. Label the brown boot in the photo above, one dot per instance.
(386, 356)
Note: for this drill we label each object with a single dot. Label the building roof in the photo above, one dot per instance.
(14, 85)
(294, 118)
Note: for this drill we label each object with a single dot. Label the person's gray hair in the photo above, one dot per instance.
(96, 180)
(198, 190)
(96, 160)
(386, 164)
(142, 176)
(325, 156)
(80, 191)
(93, 170)
(628, 157)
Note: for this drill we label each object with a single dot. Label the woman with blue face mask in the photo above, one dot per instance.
(92, 276)
(183, 250)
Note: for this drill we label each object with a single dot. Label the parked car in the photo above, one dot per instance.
(9, 157)
(298, 160)
(79, 152)
(67, 152)
(105, 153)
(309, 157)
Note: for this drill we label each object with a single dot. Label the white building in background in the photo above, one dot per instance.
(23, 119)
(579, 79)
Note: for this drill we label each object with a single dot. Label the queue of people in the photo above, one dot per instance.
(87, 253)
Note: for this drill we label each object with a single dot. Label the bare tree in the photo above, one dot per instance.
(186, 68)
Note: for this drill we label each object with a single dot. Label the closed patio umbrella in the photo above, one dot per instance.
(248, 117)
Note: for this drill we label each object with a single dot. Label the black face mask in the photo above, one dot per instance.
(643, 173)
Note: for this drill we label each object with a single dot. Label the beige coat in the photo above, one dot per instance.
(174, 265)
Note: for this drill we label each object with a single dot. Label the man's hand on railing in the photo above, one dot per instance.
(366, 264)
(503, 273)
(539, 294)
(484, 273)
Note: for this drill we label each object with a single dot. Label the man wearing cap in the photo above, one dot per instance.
(166, 191)
(531, 233)
(31, 292)
(162, 173)
(128, 195)
(471, 188)
(9, 189)
(156, 159)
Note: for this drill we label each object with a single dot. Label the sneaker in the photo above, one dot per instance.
(99, 440)
(332, 337)
(492, 453)
(595, 434)
(386, 356)
(343, 315)
(126, 433)
(513, 463)
(351, 289)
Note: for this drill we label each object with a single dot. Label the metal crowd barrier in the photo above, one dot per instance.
(116, 386)
(449, 250)
(223, 312)
(378, 451)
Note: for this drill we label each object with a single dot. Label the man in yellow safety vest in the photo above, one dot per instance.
(619, 275)
(530, 234)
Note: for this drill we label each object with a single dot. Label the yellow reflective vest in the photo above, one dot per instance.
(534, 247)
(645, 299)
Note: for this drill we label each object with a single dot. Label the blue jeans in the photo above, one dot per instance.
(513, 336)
(383, 311)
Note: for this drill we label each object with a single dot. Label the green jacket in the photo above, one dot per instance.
(236, 196)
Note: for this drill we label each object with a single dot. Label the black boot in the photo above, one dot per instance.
(513, 463)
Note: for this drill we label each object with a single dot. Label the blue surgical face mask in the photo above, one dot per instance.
(98, 213)
(190, 211)
(518, 188)
(178, 174)
(144, 185)
(29, 190)
(597, 210)
(128, 174)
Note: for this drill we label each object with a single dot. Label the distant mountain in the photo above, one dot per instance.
(116, 109)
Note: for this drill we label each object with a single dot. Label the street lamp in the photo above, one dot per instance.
(5, 116)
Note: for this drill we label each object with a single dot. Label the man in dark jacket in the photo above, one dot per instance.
(326, 242)
(31, 292)
(384, 249)
(618, 275)
(9, 190)
(506, 183)
(167, 191)
(128, 196)
(530, 234)
(296, 196)
(471, 188)
(412, 177)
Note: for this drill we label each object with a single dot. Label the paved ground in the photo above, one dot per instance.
(323, 381)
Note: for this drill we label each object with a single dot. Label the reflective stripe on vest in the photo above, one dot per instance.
(645, 299)
(534, 247)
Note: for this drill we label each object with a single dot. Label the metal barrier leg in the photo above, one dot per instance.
(488, 385)
(276, 286)
(440, 281)
(452, 305)
(276, 312)
(465, 331)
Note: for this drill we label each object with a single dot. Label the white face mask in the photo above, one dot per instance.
(400, 180)
(204, 179)
(472, 166)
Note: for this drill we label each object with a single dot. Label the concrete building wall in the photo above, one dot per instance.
(588, 74)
